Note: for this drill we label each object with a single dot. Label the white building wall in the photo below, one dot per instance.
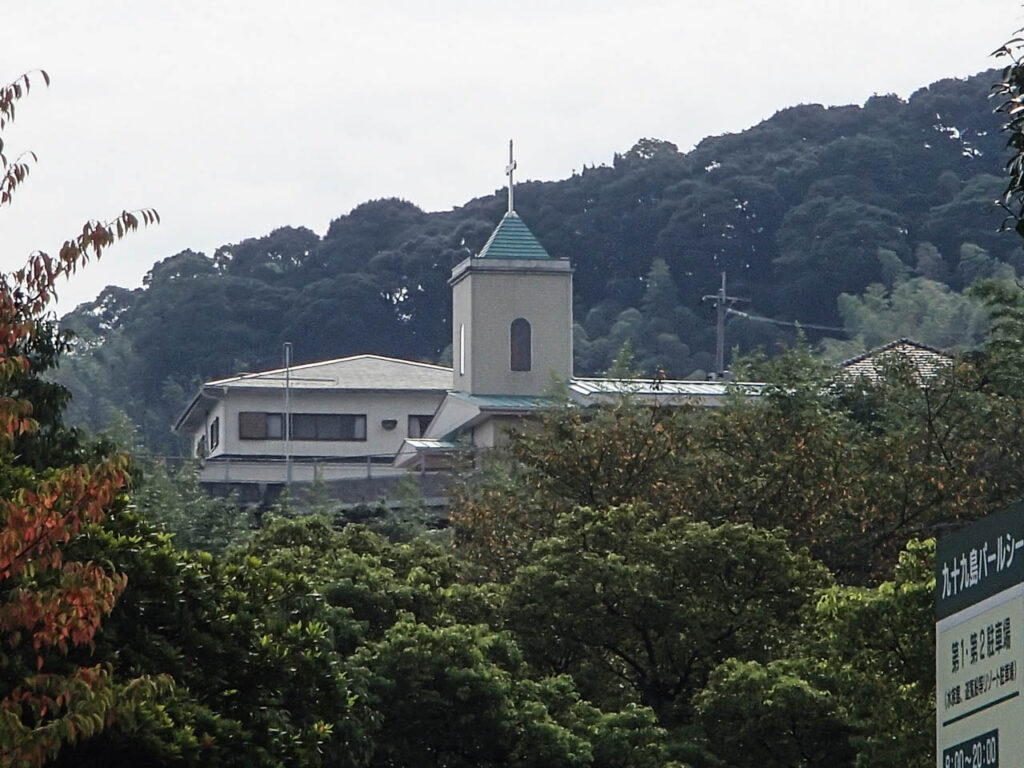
(242, 470)
(487, 295)
(216, 412)
(493, 432)
(376, 406)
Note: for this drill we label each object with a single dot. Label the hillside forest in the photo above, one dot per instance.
(866, 220)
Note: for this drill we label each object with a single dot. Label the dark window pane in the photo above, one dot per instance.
(418, 425)
(328, 427)
(353, 427)
(520, 345)
(304, 426)
(252, 425)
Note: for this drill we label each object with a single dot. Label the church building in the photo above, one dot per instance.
(368, 420)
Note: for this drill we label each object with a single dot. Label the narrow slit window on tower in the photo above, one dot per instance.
(519, 337)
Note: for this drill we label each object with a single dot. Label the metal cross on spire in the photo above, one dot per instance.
(509, 169)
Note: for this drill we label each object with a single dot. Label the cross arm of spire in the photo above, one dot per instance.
(509, 169)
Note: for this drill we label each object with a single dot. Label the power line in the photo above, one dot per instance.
(787, 323)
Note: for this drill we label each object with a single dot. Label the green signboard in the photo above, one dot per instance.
(979, 561)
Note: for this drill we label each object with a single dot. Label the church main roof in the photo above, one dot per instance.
(512, 239)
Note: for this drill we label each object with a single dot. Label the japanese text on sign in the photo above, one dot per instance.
(979, 662)
(979, 561)
(979, 645)
(972, 567)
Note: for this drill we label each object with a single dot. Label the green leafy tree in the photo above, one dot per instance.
(918, 308)
(853, 468)
(841, 237)
(768, 715)
(1010, 89)
(1004, 355)
(856, 685)
(976, 264)
(970, 217)
(877, 656)
(640, 605)
(312, 646)
(251, 643)
(616, 455)
(177, 501)
(929, 263)
(461, 695)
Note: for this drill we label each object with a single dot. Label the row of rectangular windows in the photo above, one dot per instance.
(257, 425)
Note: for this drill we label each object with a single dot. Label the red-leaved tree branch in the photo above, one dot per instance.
(47, 603)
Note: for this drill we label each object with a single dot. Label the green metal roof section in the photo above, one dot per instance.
(507, 402)
(513, 240)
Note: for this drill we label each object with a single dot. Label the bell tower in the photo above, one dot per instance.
(511, 312)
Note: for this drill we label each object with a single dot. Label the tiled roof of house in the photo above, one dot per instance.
(926, 360)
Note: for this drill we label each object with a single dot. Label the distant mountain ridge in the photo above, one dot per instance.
(806, 206)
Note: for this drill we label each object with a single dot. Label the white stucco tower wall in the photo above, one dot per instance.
(512, 280)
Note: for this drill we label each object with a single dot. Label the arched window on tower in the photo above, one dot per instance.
(519, 336)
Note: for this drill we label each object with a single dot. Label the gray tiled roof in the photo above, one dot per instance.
(357, 372)
(926, 361)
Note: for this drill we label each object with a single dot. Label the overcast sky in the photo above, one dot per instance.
(234, 117)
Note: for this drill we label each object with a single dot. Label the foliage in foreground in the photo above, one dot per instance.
(622, 632)
(626, 640)
(316, 647)
(51, 488)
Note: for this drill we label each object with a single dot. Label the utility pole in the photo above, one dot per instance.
(723, 303)
(288, 414)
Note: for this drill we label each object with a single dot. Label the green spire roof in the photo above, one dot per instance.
(513, 240)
